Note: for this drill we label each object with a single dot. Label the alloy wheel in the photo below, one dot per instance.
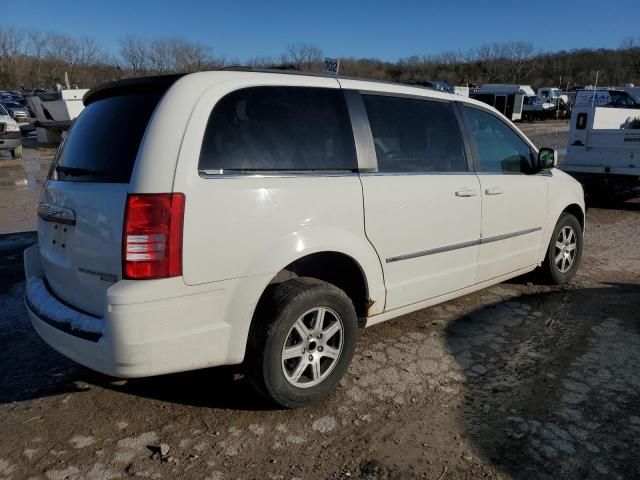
(312, 347)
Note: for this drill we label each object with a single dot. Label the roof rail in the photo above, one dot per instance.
(164, 81)
(282, 69)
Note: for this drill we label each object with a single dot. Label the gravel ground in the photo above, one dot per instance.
(20, 183)
(521, 380)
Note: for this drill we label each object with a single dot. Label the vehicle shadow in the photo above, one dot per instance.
(552, 381)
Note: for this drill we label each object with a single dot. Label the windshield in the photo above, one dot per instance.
(621, 98)
(2, 110)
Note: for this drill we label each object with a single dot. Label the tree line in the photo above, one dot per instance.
(31, 59)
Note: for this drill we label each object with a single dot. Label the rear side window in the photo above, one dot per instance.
(103, 143)
(279, 128)
(414, 135)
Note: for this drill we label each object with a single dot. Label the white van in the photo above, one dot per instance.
(605, 97)
(262, 218)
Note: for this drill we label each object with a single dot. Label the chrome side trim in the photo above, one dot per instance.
(457, 246)
(54, 213)
(497, 238)
(433, 251)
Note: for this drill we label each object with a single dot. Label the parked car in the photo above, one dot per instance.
(262, 218)
(16, 110)
(10, 137)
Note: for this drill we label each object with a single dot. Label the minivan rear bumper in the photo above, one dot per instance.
(150, 327)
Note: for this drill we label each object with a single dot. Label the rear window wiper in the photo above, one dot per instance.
(82, 172)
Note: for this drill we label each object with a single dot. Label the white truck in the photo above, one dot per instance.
(535, 109)
(552, 95)
(603, 151)
(559, 100)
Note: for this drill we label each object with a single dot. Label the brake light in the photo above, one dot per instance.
(152, 236)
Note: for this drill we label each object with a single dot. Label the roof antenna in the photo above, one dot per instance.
(593, 99)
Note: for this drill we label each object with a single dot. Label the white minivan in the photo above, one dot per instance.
(263, 218)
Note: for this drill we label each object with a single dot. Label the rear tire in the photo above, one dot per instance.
(16, 152)
(302, 342)
(565, 250)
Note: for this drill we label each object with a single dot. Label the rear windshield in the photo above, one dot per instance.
(103, 143)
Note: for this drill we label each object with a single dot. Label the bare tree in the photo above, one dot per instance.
(519, 55)
(35, 59)
(12, 48)
(134, 53)
(191, 56)
(304, 56)
(36, 47)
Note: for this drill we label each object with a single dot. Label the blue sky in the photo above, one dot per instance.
(387, 30)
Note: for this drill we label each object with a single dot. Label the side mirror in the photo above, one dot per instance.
(547, 158)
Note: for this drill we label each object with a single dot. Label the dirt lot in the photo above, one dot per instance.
(20, 183)
(522, 380)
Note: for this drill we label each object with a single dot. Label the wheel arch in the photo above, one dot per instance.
(331, 266)
(337, 268)
(575, 210)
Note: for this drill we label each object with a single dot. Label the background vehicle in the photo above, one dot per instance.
(508, 99)
(553, 95)
(606, 97)
(225, 223)
(559, 100)
(10, 136)
(55, 111)
(533, 108)
(441, 86)
(603, 151)
(16, 110)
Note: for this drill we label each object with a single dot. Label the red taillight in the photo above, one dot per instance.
(152, 236)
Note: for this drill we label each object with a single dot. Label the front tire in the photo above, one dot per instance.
(304, 337)
(565, 250)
